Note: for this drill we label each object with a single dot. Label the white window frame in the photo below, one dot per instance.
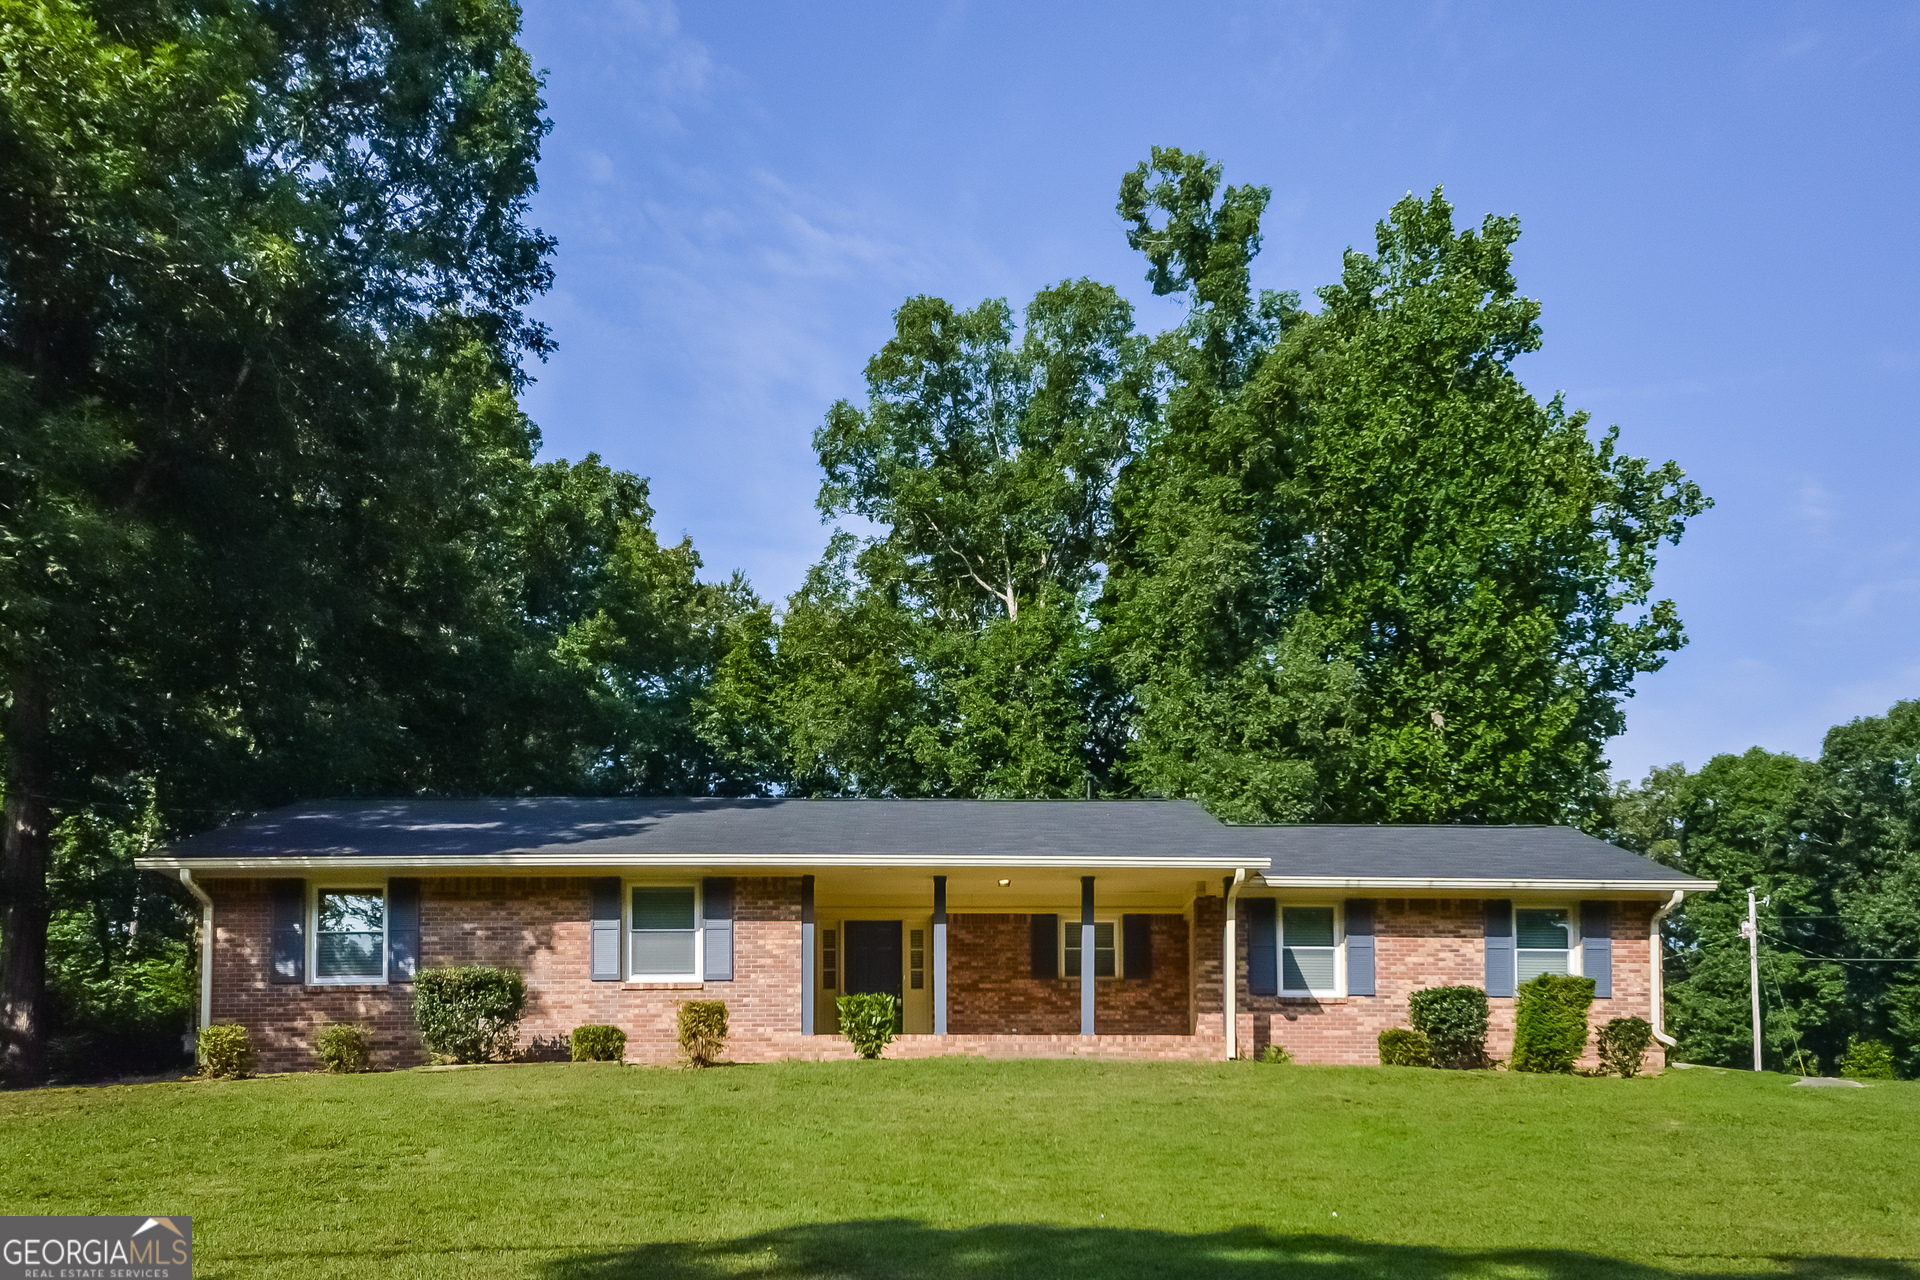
(699, 931)
(317, 887)
(1119, 945)
(1339, 949)
(1575, 958)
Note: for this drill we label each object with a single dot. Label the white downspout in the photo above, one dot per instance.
(1229, 968)
(1654, 956)
(206, 949)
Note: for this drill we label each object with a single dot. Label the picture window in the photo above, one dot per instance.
(1308, 964)
(1105, 948)
(665, 932)
(350, 935)
(1540, 938)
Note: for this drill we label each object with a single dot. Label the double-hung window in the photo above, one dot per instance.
(1308, 963)
(1540, 941)
(1106, 953)
(664, 933)
(350, 935)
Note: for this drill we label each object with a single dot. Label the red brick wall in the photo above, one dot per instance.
(991, 990)
(538, 925)
(1428, 943)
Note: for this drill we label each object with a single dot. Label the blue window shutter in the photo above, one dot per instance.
(1499, 933)
(1137, 943)
(289, 932)
(1046, 946)
(403, 930)
(716, 903)
(1263, 947)
(605, 893)
(1360, 947)
(1596, 946)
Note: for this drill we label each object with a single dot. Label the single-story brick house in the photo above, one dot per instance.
(1016, 927)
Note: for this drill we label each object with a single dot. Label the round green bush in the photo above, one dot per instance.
(596, 1043)
(703, 1031)
(1867, 1060)
(1400, 1047)
(470, 1014)
(344, 1048)
(1622, 1045)
(226, 1051)
(1454, 1021)
(867, 1021)
(1550, 1023)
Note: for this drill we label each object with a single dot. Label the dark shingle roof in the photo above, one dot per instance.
(1330, 852)
(555, 831)
(779, 829)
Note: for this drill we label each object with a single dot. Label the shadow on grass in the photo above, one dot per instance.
(899, 1248)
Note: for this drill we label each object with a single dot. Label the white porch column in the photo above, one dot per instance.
(807, 982)
(1086, 955)
(1230, 967)
(939, 955)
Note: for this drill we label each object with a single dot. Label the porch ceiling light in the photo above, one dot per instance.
(1005, 883)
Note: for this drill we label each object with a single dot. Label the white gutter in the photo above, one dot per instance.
(453, 862)
(1654, 964)
(1475, 885)
(206, 950)
(1229, 967)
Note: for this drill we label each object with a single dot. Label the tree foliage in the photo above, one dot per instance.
(1833, 846)
(1298, 566)
(949, 652)
(270, 520)
(1379, 581)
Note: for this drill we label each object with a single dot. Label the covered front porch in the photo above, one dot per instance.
(1022, 961)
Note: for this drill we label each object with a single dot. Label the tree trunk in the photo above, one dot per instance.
(24, 847)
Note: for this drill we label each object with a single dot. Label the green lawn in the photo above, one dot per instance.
(990, 1171)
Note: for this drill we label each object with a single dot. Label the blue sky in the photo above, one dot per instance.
(1718, 207)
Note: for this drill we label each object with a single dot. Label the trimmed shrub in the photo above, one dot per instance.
(344, 1048)
(1454, 1021)
(703, 1031)
(867, 1021)
(1867, 1060)
(1550, 1023)
(1622, 1045)
(595, 1043)
(226, 1051)
(1277, 1054)
(1400, 1047)
(470, 1014)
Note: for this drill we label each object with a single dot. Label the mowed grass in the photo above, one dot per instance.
(990, 1170)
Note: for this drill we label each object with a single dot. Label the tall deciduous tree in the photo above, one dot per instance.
(1362, 574)
(948, 653)
(230, 235)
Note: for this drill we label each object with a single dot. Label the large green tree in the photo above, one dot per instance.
(237, 241)
(1361, 573)
(948, 652)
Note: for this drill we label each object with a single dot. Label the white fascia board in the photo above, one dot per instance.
(269, 862)
(1477, 886)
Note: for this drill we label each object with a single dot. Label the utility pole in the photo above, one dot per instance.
(1750, 930)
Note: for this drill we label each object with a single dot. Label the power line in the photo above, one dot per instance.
(1815, 955)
